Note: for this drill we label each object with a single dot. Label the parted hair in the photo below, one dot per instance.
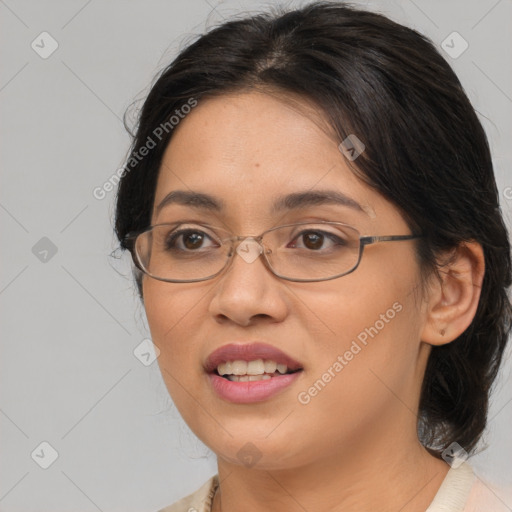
(425, 151)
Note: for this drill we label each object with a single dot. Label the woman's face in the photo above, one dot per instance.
(356, 338)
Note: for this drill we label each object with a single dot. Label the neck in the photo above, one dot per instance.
(395, 475)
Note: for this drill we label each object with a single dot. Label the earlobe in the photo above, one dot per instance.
(455, 294)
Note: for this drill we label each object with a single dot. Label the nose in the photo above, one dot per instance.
(249, 249)
(247, 289)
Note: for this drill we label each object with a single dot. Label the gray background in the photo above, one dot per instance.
(70, 320)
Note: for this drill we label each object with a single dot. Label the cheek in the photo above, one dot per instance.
(176, 317)
(363, 332)
(173, 321)
(368, 304)
(369, 319)
(367, 343)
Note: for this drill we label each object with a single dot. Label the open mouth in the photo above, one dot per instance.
(251, 371)
(245, 373)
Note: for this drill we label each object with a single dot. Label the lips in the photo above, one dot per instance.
(240, 358)
(249, 352)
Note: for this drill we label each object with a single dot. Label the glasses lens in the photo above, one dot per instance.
(182, 252)
(305, 251)
(313, 251)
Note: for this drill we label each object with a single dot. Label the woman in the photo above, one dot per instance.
(311, 208)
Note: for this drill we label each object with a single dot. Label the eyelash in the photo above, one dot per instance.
(170, 240)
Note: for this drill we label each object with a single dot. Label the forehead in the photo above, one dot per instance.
(250, 150)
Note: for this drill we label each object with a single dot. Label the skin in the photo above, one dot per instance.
(354, 446)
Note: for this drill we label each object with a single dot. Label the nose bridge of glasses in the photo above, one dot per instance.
(249, 248)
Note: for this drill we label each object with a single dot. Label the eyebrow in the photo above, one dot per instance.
(293, 201)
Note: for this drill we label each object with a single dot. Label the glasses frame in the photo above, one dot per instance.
(235, 240)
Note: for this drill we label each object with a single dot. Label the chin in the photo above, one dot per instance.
(257, 454)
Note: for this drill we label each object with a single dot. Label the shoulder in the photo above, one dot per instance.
(198, 501)
(484, 496)
(464, 491)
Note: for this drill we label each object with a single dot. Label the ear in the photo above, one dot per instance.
(454, 295)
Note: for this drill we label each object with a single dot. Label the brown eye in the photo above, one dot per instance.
(313, 241)
(186, 240)
(193, 240)
(317, 240)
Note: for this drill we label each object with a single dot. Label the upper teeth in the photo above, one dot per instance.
(256, 367)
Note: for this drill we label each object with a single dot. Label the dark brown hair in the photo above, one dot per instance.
(426, 152)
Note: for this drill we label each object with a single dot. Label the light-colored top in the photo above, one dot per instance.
(461, 491)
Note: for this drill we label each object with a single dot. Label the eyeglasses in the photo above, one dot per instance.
(304, 252)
